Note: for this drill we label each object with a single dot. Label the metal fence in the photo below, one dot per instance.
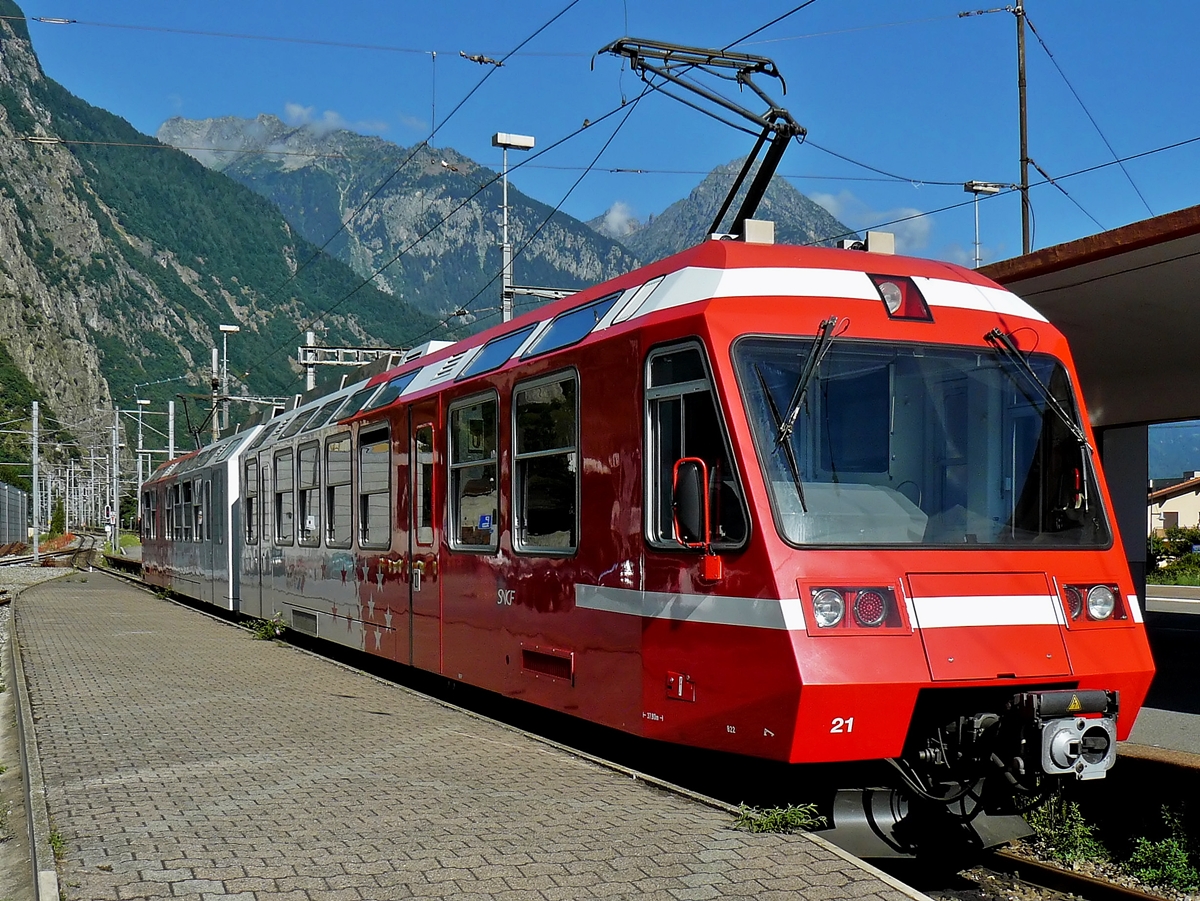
(14, 514)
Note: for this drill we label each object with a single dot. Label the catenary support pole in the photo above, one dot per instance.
(1026, 238)
(37, 526)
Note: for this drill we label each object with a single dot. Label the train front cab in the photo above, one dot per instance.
(928, 504)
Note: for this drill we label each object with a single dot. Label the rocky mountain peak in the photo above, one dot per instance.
(798, 220)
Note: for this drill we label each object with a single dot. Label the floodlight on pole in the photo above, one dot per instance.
(515, 142)
(976, 188)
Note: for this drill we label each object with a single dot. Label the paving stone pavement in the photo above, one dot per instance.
(184, 759)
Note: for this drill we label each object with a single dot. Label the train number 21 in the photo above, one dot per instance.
(842, 724)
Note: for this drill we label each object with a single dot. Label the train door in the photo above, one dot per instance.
(264, 531)
(204, 534)
(424, 535)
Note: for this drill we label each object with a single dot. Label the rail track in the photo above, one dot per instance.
(79, 555)
(1062, 882)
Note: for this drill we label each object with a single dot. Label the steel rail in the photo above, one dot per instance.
(1055, 878)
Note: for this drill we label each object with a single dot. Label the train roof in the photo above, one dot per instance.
(711, 270)
(217, 452)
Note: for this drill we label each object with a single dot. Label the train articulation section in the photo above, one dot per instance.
(796, 504)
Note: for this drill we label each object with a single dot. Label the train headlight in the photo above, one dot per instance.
(828, 608)
(869, 608)
(1101, 602)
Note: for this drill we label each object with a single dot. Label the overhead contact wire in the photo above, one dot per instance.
(1088, 113)
(279, 39)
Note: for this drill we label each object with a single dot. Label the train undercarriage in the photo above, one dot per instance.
(965, 781)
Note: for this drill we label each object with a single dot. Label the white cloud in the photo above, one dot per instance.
(620, 220)
(295, 114)
(416, 124)
(963, 256)
(912, 233)
(300, 116)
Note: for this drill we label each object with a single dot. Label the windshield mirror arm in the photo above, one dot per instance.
(1004, 343)
(789, 452)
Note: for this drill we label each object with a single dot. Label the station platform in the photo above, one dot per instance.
(183, 759)
(1168, 727)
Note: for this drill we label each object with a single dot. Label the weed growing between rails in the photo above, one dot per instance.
(1062, 834)
(1165, 861)
(1164, 864)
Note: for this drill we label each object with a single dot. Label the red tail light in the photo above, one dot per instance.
(870, 608)
(901, 297)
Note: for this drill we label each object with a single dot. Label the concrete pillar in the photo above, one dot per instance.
(1125, 455)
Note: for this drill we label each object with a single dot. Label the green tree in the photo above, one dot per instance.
(58, 519)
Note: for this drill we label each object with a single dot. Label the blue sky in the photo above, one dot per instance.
(909, 88)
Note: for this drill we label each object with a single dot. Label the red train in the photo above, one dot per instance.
(799, 504)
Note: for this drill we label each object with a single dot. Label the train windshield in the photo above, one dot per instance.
(919, 444)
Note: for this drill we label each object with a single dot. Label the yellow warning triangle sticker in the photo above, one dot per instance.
(1074, 705)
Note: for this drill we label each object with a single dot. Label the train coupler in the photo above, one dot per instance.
(1075, 731)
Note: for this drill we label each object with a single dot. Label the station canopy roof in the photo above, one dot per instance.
(1128, 301)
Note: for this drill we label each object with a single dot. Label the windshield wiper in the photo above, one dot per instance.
(1004, 343)
(820, 348)
(788, 450)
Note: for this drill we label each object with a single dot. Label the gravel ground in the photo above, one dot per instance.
(978, 884)
(18, 578)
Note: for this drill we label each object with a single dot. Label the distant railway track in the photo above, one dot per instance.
(79, 555)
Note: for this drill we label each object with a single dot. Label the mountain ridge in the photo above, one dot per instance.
(119, 257)
(433, 212)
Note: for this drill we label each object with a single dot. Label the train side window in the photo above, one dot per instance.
(374, 488)
(683, 420)
(184, 507)
(308, 493)
(283, 497)
(337, 491)
(474, 495)
(423, 489)
(169, 527)
(546, 466)
(250, 504)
